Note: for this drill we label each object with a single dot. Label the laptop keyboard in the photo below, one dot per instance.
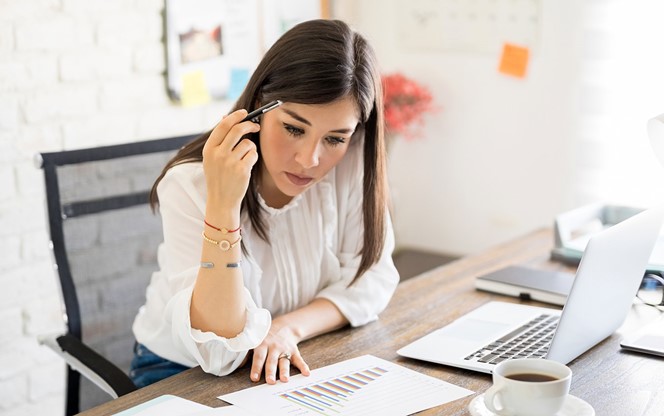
(531, 340)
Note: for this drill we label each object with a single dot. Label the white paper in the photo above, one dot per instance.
(467, 26)
(224, 411)
(169, 405)
(361, 386)
(279, 16)
(166, 405)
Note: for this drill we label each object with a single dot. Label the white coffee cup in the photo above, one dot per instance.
(516, 391)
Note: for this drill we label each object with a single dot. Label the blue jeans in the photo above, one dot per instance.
(147, 367)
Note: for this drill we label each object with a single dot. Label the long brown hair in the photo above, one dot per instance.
(318, 62)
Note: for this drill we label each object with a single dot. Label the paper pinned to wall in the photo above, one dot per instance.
(239, 79)
(479, 26)
(279, 16)
(210, 37)
(194, 89)
(225, 39)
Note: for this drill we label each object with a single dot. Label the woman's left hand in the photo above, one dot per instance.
(277, 352)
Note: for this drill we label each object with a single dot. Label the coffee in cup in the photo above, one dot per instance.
(536, 377)
(528, 387)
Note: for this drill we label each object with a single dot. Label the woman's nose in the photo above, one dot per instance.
(308, 155)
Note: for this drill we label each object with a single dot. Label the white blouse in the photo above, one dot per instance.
(314, 252)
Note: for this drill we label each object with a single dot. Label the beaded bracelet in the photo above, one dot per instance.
(224, 245)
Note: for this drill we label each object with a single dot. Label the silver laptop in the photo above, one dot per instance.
(604, 288)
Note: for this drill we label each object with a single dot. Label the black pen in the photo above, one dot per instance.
(254, 115)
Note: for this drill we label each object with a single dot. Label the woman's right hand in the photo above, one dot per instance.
(228, 159)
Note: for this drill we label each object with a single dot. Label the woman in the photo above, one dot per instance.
(275, 231)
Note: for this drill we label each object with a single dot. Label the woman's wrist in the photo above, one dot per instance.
(209, 226)
(218, 217)
(286, 327)
(221, 203)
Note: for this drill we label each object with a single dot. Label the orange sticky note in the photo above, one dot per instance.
(514, 60)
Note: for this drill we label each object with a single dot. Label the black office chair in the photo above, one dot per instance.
(104, 239)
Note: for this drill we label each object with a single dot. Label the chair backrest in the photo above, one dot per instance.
(104, 239)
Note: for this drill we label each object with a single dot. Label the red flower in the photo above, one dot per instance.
(405, 103)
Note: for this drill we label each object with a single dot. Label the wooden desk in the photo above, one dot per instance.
(612, 381)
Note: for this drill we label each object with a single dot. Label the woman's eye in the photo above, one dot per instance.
(294, 131)
(335, 141)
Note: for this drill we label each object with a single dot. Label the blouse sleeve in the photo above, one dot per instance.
(369, 295)
(182, 207)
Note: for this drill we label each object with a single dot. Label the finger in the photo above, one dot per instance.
(230, 140)
(251, 158)
(257, 363)
(243, 147)
(284, 369)
(238, 133)
(271, 368)
(223, 127)
(298, 361)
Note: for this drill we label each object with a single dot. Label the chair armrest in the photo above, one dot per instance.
(106, 375)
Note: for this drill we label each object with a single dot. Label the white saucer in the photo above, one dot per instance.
(573, 406)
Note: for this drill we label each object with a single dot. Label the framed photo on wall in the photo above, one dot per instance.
(213, 46)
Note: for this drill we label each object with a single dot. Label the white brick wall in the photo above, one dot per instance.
(73, 73)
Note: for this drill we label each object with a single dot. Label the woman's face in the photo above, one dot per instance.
(300, 144)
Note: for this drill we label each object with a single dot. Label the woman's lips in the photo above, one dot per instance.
(298, 180)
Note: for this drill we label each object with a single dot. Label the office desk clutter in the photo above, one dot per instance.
(365, 385)
(574, 228)
(427, 302)
(499, 331)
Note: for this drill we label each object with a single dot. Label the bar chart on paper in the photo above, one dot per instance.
(360, 386)
(334, 395)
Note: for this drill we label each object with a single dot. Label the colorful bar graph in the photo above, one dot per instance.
(328, 397)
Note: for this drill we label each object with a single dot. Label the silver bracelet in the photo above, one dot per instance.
(210, 265)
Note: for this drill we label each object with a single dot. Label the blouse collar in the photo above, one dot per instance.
(277, 211)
